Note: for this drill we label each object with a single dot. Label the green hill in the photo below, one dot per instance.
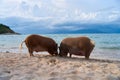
(6, 30)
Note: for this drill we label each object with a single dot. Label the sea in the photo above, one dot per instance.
(107, 46)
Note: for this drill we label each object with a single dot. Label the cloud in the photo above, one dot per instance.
(24, 6)
(20, 8)
(7, 7)
(59, 3)
(83, 16)
(48, 13)
(59, 9)
(115, 16)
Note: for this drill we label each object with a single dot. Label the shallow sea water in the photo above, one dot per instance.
(107, 46)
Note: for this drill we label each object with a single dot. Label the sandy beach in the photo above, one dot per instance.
(45, 67)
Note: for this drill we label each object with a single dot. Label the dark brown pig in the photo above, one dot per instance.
(81, 46)
(39, 43)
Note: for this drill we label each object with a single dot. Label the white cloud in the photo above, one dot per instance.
(57, 10)
(51, 12)
(59, 3)
(112, 17)
(72, 28)
(18, 8)
(9, 8)
(87, 16)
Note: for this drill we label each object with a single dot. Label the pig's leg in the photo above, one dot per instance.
(88, 52)
(30, 52)
(70, 55)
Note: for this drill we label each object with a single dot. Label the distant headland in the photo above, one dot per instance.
(6, 30)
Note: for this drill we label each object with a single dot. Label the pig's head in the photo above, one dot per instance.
(63, 51)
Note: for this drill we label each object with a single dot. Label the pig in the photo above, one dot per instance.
(39, 43)
(81, 46)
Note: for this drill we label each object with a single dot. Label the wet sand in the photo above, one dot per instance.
(15, 66)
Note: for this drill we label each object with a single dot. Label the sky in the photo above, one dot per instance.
(19, 14)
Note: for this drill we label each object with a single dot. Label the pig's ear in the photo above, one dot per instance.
(93, 42)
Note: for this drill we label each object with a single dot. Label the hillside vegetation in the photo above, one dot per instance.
(6, 30)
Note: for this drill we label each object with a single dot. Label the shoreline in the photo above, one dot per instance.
(94, 54)
(45, 67)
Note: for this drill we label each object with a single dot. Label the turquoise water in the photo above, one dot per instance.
(107, 46)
